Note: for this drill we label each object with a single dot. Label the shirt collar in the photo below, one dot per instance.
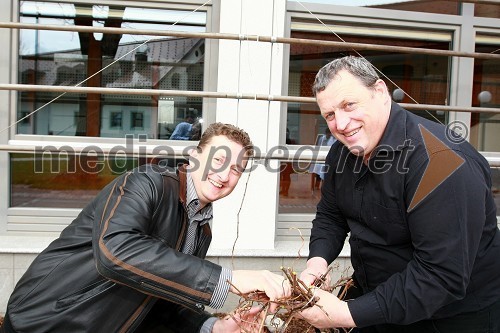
(193, 202)
(181, 172)
(394, 137)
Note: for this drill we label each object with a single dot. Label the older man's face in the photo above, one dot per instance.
(356, 115)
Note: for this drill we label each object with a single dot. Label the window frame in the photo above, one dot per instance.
(50, 221)
(390, 19)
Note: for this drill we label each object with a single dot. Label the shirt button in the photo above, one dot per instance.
(359, 188)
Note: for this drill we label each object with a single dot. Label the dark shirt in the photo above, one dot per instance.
(436, 260)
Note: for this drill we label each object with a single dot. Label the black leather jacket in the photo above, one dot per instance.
(112, 263)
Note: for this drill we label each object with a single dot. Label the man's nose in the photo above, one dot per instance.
(224, 174)
(341, 120)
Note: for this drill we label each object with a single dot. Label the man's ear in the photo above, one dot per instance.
(193, 152)
(381, 89)
(193, 157)
(380, 86)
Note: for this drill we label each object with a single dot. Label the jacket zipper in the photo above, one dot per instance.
(177, 298)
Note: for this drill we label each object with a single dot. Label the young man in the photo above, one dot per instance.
(133, 258)
(420, 212)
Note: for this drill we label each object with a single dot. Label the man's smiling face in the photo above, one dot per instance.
(356, 115)
(216, 169)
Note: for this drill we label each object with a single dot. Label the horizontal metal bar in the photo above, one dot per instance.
(257, 38)
(293, 153)
(138, 149)
(152, 92)
(208, 94)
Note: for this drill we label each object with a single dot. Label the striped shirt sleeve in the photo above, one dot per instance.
(222, 289)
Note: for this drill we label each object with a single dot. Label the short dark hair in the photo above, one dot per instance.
(357, 66)
(232, 132)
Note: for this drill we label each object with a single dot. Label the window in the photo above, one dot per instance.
(25, 118)
(485, 127)
(425, 6)
(62, 179)
(60, 176)
(423, 77)
(116, 120)
(60, 58)
(136, 120)
(487, 10)
(495, 178)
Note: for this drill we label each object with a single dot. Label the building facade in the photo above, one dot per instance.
(90, 91)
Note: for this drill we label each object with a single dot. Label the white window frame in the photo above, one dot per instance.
(391, 19)
(50, 221)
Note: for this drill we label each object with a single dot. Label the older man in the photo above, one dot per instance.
(425, 245)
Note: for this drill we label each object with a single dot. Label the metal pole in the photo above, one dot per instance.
(209, 94)
(256, 38)
(148, 150)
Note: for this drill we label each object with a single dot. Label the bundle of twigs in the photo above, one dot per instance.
(302, 297)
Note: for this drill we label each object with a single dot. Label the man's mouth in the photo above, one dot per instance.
(214, 183)
(349, 134)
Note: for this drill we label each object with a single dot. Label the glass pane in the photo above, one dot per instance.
(485, 127)
(303, 193)
(61, 180)
(487, 10)
(495, 177)
(423, 77)
(58, 58)
(439, 7)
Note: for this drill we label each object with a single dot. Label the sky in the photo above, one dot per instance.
(53, 41)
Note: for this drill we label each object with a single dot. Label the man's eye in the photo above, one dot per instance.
(350, 106)
(236, 171)
(218, 159)
(330, 116)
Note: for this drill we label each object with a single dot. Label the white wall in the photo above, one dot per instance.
(250, 67)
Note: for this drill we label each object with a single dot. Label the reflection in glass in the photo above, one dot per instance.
(60, 58)
(115, 120)
(437, 6)
(485, 127)
(487, 10)
(62, 180)
(302, 196)
(495, 177)
(424, 78)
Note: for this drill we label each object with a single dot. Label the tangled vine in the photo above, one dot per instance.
(285, 319)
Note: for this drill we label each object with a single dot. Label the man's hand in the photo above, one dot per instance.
(328, 312)
(275, 286)
(243, 321)
(316, 267)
